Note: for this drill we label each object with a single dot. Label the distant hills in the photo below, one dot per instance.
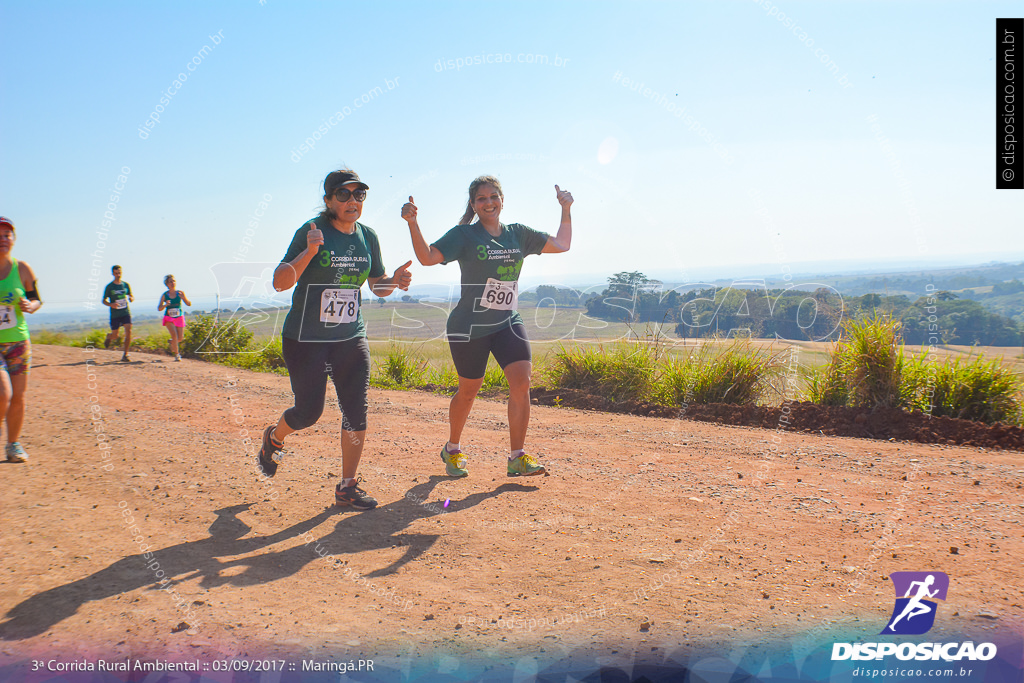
(980, 291)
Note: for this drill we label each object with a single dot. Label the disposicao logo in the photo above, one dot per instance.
(913, 614)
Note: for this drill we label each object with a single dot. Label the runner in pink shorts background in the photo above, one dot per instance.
(174, 316)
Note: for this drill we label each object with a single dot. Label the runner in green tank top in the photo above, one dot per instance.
(485, 321)
(174, 316)
(18, 295)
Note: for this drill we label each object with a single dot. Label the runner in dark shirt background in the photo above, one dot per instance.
(116, 296)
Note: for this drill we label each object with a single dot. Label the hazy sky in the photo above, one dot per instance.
(807, 132)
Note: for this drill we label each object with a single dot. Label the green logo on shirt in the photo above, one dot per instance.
(355, 280)
(510, 273)
(481, 252)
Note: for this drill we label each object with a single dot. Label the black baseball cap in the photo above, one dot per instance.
(336, 179)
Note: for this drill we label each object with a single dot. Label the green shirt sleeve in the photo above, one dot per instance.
(376, 261)
(298, 244)
(451, 244)
(531, 241)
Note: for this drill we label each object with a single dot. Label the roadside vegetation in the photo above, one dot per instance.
(868, 367)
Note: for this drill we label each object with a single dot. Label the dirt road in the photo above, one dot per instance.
(650, 533)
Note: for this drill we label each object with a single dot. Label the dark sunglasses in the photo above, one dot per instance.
(344, 194)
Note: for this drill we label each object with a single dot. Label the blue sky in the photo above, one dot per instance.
(774, 160)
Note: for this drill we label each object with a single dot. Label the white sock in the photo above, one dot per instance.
(516, 454)
(452, 447)
(345, 483)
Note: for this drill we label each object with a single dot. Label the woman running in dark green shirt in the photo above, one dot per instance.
(484, 322)
(324, 336)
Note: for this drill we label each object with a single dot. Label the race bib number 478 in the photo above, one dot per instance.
(339, 305)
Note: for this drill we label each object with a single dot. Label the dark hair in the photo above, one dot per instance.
(113, 268)
(473, 187)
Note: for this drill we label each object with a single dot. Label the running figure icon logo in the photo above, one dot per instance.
(913, 614)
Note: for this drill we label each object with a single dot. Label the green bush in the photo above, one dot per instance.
(873, 362)
(827, 384)
(154, 343)
(575, 367)
(738, 374)
(443, 376)
(980, 390)
(93, 338)
(867, 368)
(494, 378)
(272, 356)
(675, 385)
(630, 373)
(400, 368)
(264, 356)
(917, 376)
(207, 339)
(627, 373)
(52, 338)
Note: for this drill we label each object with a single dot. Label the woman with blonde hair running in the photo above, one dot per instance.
(485, 321)
(174, 316)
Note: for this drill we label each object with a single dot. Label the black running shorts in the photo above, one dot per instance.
(509, 344)
(309, 364)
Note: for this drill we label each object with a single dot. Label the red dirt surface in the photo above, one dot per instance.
(651, 532)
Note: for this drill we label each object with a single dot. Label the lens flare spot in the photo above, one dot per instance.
(607, 150)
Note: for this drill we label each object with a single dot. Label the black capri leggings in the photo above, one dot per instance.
(309, 364)
(509, 344)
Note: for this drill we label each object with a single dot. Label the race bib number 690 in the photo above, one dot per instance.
(499, 295)
(339, 305)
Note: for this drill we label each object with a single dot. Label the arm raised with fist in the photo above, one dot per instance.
(561, 241)
(287, 274)
(426, 254)
(383, 286)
